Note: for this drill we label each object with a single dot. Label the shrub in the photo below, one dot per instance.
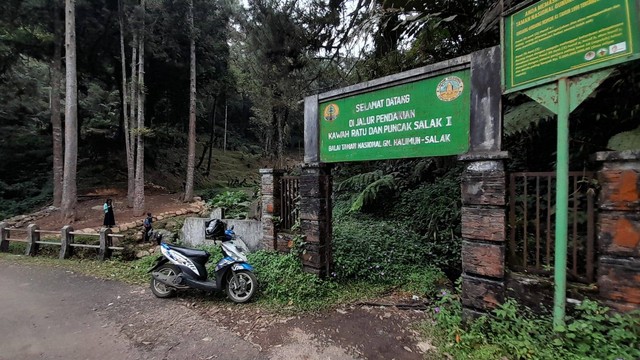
(235, 203)
(433, 211)
(282, 280)
(425, 230)
(514, 332)
(367, 249)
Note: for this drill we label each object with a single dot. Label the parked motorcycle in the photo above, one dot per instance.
(182, 268)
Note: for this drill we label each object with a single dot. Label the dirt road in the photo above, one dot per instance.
(50, 313)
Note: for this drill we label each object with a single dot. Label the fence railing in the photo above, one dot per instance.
(532, 224)
(289, 201)
(31, 236)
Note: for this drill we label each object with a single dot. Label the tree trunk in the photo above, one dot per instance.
(212, 116)
(209, 145)
(191, 158)
(138, 203)
(279, 135)
(134, 90)
(56, 122)
(69, 190)
(226, 108)
(125, 114)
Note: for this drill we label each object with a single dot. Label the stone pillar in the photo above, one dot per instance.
(270, 185)
(619, 229)
(105, 243)
(483, 232)
(315, 217)
(66, 238)
(4, 243)
(33, 237)
(483, 190)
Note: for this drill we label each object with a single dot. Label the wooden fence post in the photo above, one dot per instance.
(105, 243)
(4, 243)
(32, 237)
(66, 238)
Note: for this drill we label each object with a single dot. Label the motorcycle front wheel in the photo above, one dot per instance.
(241, 286)
(159, 289)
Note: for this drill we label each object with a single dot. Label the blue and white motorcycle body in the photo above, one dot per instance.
(182, 268)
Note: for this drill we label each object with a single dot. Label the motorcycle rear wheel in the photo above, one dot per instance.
(161, 290)
(241, 286)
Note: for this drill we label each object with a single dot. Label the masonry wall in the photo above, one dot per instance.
(619, 229)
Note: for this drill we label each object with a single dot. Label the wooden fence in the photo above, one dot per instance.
(31, 236)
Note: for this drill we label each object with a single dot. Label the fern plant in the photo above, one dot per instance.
(369, 186)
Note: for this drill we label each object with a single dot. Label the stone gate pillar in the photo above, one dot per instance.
(483, 190)
(315, 217)
(483, 232)
(619, 229)
(270, 189)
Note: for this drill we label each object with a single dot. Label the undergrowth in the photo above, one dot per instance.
(512, 331)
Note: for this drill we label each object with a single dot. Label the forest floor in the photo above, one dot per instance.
(90, 214)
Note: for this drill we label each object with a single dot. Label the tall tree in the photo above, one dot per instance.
(191, 159)
(138, 202)
(128, 143)
(56, 122)
(69, 186)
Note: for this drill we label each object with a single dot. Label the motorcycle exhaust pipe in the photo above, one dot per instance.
(169, 280)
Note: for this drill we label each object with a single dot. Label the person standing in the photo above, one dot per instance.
(109, 218)
(148, 227)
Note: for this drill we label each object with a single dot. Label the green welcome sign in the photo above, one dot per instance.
(557, 38)
(424, 118)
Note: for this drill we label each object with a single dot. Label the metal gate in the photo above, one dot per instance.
(289, 201)
(532, 224)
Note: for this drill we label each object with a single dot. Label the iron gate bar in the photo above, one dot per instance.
(526, 242)
(549, 222)
(575, 226)
(537, 221)
(590, 236)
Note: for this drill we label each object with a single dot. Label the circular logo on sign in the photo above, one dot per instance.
(331, 112)
(590, 55)
(449, 88)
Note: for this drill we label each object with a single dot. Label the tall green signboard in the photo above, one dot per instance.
(427, 117)
(548, 49)
(559, 38)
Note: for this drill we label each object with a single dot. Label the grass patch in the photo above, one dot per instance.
(592, 332)
(130, 272)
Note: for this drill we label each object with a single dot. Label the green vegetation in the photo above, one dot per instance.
(131, 272)
(382, 235)
(514, 332)
(235, 203)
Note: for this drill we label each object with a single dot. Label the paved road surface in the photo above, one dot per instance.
(48, 313)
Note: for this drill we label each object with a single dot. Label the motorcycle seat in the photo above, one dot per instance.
(189, 252)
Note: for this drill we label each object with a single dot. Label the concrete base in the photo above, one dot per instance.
(192, 233)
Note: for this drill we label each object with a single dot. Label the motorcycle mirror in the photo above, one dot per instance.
(232, 226)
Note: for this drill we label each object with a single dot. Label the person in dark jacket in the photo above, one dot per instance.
(109, 218)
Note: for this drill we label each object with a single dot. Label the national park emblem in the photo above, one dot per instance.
(331, 112)
(449, 88)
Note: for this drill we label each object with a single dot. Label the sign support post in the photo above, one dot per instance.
(562, 204)
(562, 97)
